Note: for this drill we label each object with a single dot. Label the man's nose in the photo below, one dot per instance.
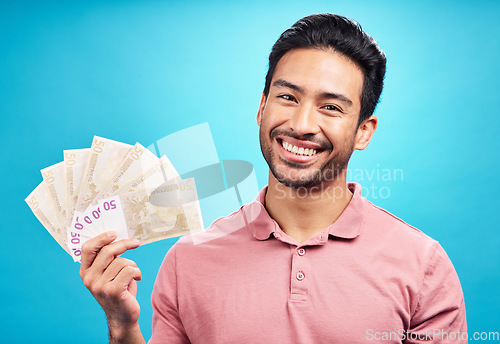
(304, 120)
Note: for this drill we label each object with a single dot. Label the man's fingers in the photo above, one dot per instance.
(115, 267)
(109, 252)
(122, 283)
(126, 275)
(91, 248)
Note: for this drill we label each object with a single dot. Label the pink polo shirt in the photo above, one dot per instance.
(369, 277)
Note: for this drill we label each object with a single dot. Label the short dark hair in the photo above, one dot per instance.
(334, 32)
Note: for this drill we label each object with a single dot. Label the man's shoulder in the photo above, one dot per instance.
(384, 223)
(394, 241)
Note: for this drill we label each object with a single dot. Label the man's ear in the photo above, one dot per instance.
(365, 132)
(262, 105)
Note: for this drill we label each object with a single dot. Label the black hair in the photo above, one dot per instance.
(334, 32)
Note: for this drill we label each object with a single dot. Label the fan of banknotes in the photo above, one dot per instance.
(114, 186)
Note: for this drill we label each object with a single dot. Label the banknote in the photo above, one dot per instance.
(135, 166)
(75, 162)
(150, 215)
(153, 177)
(74, 236)
(53, 176)
(91, 219)
(137, 162)
(167, 211)
(40, 203)
(114, 186)
(105, 157)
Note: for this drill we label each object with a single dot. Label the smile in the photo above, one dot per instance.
(298, 150)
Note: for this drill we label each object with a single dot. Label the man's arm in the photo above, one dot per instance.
(440, 311)
(112, 280)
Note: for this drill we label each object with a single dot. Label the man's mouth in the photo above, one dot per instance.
(298, 150)
(303, 151)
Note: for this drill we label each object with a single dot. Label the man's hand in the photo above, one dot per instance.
(112, 280)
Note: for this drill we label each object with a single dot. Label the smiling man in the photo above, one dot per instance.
(310, 260)
(308, 120)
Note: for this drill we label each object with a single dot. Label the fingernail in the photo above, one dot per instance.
(137, 242)
(111, 234)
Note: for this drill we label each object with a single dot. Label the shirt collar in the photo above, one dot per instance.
(347, 226)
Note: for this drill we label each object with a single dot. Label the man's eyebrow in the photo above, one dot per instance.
(341, 97)
(284, 83)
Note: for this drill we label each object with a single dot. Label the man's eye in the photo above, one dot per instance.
(331, 108)
(287, 97)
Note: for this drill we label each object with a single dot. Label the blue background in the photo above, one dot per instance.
(138, 71)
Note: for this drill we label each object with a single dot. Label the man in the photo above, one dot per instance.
(310, 260)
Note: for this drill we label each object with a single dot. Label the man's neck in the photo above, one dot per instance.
(303, 212)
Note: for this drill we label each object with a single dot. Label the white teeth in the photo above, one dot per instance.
(298, 150)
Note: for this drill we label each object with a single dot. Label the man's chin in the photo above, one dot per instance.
(297, 182)
(294, 185)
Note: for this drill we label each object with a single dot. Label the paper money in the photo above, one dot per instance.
(53, 176)
(114, 186)
(105, 156)
(151, 215)
(155, 176)
(75, 162)
(40, 203)
(151, 177)
(91, 219)
(137, 162)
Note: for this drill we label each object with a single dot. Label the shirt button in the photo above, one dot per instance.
(301, 251)
(300, 275)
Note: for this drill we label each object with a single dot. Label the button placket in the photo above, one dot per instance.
(299, 275)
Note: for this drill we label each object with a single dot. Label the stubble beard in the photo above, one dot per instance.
(327, 173)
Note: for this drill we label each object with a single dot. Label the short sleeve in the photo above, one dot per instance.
(439, 316)
(167, 325)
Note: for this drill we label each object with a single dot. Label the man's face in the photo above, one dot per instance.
(308, 122)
